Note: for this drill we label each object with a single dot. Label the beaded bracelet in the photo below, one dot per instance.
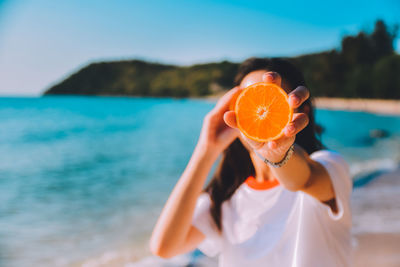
(279, 164)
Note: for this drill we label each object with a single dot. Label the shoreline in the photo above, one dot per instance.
(377, 106)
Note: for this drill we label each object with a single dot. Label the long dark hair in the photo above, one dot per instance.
(236, 165)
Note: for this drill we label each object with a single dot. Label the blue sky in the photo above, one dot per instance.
(43, 41)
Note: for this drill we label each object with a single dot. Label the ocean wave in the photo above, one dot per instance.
(367, 166)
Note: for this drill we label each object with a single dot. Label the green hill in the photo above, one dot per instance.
(365, 66)
(140, 78)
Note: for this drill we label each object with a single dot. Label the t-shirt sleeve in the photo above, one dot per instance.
(203, 221)
(339, 173)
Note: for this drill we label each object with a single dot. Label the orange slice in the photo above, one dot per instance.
(262, 111)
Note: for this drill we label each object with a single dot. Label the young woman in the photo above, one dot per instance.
(280, 203)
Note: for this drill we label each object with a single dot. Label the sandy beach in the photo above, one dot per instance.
(379, 106)
(380, 249)
(376, 222)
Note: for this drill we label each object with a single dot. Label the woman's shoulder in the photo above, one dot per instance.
(336, 166)
(204, 200)
(329, 156)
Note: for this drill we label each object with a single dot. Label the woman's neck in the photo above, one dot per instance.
(263, 172)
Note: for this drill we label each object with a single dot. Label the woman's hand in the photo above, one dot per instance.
(215, 135)
(275, 151)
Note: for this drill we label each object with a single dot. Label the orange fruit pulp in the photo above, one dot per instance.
(262, 111)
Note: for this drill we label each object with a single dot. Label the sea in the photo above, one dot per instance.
(83, 179)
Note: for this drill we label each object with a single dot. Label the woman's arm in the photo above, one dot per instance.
(174, 233)
(300, 172)
(171, 232)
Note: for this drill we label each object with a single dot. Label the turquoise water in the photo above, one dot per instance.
(85, 176)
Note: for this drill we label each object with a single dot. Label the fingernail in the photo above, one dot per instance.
(271, 75)
(295, 100)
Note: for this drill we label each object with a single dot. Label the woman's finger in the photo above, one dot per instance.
(224, 101)
(230, 119)
(298, 123)
(298, 96)
(272, 77)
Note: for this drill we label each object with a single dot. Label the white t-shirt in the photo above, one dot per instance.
(277, 227)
